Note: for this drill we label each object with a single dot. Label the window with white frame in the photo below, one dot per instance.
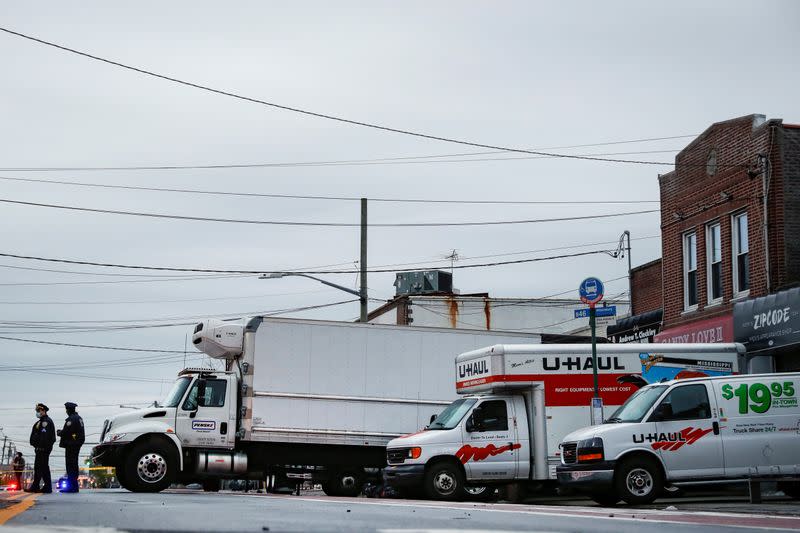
(714, 262)
(690, 271)
(741, 254)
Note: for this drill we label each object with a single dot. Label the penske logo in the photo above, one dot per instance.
(672, 441)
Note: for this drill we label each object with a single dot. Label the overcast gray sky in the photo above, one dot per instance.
(516, 74)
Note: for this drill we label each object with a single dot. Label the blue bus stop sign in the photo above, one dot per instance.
(591, 291)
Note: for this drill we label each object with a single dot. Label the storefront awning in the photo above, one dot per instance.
(769, 322)
(637, 328)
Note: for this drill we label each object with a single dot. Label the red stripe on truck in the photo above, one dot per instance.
(562, 390)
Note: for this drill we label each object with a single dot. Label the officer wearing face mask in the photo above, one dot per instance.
(72, 438)
(43, 436)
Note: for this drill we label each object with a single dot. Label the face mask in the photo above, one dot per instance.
(39, 414)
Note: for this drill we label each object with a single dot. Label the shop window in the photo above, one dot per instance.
(741, 255)
(714, 262)
(690, 271)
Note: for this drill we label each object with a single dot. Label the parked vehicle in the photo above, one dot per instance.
(519, 401)
(299, 400)
(723, 428)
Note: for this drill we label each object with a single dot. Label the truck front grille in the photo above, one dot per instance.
(569, 453)
(396, 456)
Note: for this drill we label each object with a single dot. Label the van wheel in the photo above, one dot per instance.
(479, 493)
(639, 480)
(605, 499)
(348, 482)
(790, 488)
(444, 481)
(149, 467)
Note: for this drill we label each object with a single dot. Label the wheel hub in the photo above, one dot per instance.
(151, 468)
(639, 482)
(445, 482)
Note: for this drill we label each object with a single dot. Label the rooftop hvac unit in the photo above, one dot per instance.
(423, 282)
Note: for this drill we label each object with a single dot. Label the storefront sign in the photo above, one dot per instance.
(638, 328)
(717, 329)
(768, 322)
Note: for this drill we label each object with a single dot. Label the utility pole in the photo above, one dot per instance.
(362, 296)
(3, 455)
(627, 234)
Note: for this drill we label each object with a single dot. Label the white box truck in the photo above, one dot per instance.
(518, 403)
(723, 428)
(299, 398)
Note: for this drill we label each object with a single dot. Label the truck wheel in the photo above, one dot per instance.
(444, 481)
(149, 467)
(605, 499)
(639, 480)
(211, 485)
(479, 493)
(790, 488)
(347, 482)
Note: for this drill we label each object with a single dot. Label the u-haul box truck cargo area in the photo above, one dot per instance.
(519, 401)
(723, 428)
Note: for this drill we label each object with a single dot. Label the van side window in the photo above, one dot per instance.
(689, 402)
(214, 395)
(493, 416)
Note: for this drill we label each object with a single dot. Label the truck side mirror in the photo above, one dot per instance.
(433, 417)
(469, 425)
(662, 412)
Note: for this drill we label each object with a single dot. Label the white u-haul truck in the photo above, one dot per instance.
(519, 401)
(700, 430)
(300, 399)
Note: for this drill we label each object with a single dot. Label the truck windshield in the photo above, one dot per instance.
(634, 409)
(175, 395)
(452, 415)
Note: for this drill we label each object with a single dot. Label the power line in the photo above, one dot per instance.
(321, 224)
(330, 198)
(133, 302)
(93, 346)
(379, 270)
(321, 115)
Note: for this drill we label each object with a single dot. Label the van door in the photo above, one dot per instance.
(760, 424)
(490, 450)
(203, 418)
(687, 432)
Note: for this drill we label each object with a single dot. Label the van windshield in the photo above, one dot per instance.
(452, 415)
(175, 395)
(634, 409)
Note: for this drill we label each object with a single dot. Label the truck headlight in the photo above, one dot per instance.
(114, 437)
(414, 453)
(590, 450)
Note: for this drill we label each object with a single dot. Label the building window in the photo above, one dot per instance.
(741, 255)
(690, 271)
(714, 261)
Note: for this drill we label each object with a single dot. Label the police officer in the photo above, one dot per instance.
(72, 438)
(18, 464)
(43, 436)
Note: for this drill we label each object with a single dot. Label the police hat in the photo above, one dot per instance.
(70, 406)
(42, 406)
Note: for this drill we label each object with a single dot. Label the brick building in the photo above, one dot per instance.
(717, 250)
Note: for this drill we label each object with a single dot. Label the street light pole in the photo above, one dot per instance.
(363, 264)
(275, 275)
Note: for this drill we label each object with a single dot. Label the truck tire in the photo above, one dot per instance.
(605, 499)
(639, 480)
(150, 466)
(483, 493)
(346, 482)
(211, 485)
(790, 488)
(444, 481)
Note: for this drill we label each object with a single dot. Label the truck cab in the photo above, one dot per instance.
(154, 447)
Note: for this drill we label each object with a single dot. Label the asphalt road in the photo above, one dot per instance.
(198, 511)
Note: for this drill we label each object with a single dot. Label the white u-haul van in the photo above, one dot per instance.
(519, 401)
(694, 430)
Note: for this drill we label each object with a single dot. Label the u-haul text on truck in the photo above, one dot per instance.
(518, 402)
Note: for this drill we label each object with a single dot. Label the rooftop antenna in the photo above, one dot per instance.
(453, 257)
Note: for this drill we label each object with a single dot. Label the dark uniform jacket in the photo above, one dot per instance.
(43, 434)
(18, 464)
(72, 435)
